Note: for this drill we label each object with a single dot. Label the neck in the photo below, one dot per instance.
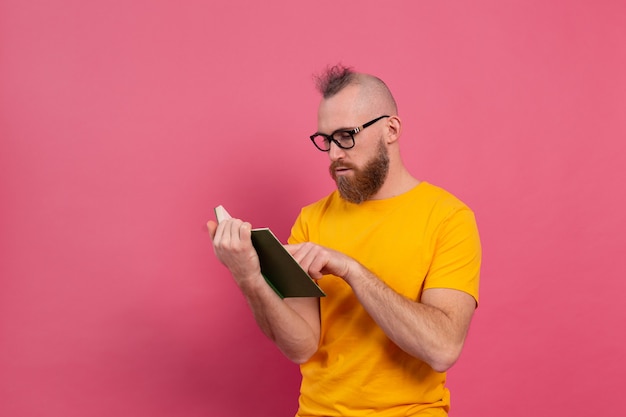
(399, 181)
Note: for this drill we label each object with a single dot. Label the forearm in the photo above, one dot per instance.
(286, 327)
(432, 329)
(419, 329)
(294, 330)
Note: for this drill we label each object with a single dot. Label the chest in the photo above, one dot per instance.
(398, 249)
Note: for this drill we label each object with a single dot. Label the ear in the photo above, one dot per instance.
(394, 129)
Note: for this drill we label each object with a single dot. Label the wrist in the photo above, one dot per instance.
(251, 283)
(354, 272)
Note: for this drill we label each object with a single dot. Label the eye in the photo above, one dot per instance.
(342, 135)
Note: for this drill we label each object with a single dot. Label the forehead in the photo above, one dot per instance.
(343, 110)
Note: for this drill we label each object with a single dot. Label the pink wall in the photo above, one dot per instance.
(123, 123)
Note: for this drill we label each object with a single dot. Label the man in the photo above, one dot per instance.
(398, 258)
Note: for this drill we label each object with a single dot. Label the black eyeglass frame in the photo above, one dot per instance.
(351, 132)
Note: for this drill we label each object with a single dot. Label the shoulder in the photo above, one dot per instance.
(438, 202)
(307, 222)
(319, 207)
(439, 196)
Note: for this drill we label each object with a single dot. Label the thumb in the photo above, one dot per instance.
(212, 226)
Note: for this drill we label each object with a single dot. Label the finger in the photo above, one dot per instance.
(245, 232)
(223, 233)
(306, 256)
(292, 249)
(233, 230)
(298, 252)
(318, 265)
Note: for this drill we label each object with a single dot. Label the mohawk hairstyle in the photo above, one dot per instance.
(334, 79)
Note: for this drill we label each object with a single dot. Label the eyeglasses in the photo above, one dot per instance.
(344, 138)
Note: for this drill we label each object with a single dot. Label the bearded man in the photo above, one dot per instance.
(398, 258)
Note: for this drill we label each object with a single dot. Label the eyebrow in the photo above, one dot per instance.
(341, 129)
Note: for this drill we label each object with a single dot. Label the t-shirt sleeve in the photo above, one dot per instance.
(298, 231)
(457, 256)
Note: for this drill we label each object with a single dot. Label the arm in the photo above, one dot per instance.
(293, 325)
(432, 329)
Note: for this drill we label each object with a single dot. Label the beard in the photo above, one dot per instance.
(366, 181)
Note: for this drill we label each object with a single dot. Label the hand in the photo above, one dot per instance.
(233, 247)
(319, 261)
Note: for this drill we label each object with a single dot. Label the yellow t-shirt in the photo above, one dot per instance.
(424, 238)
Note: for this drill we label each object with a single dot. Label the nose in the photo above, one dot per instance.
(335, 153)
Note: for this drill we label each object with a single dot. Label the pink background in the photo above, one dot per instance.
(123, 123)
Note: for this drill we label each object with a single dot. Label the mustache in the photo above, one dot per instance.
(339, 164)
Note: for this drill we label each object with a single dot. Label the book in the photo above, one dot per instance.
(281, 271)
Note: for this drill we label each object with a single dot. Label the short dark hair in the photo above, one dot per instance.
(334, 79)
